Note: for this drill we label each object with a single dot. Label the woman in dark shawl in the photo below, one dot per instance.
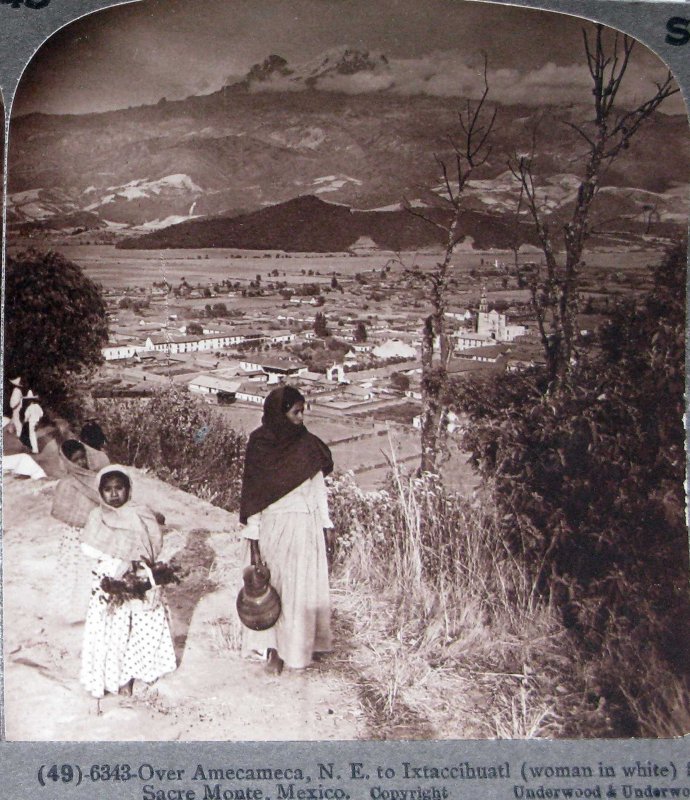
(284, 506)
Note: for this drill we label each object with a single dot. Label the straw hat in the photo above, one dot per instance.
(16, 381)
(30, 395)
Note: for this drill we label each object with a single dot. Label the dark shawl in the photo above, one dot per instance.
(280, 455)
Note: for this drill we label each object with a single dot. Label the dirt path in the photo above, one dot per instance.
(214, 694)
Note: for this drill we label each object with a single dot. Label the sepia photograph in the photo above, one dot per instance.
(344, 373)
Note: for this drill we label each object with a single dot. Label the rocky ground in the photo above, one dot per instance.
(214, 693)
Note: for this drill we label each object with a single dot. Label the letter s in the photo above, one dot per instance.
(678, 33)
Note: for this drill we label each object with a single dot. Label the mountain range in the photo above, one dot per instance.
(283, 132)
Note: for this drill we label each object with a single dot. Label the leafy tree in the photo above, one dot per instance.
(321, 325)
(360, 333)
(194, 329)
(55, 323)
(589, 480)
(400, 381)
(334, 345)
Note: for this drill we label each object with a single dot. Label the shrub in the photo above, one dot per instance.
(589, 480)
(181, 440)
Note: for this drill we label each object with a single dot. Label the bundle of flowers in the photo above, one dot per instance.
(135, 582)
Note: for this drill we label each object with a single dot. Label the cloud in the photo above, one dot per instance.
(359, 83)
(277, 83)
(449, 74)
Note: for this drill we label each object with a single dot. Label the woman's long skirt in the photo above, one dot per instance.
(292, 545)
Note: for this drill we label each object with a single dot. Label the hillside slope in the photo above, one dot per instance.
(214, 694)
(309, 224)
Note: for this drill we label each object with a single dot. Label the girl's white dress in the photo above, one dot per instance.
(132, 640)
(291, 541)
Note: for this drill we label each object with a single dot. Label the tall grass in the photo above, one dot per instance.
(448, 635)
(442, 614)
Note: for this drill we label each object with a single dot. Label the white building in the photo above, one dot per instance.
(118, 350)
(466, 340)
(494, 325)
(276, 369)
(394, 348)
(252, 393)
(195, 343)
(280, 337)
(214, 386)
(452, 422)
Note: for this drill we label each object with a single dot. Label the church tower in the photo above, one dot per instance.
(483, 302)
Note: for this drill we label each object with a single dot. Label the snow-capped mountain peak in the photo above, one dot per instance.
(338, 61)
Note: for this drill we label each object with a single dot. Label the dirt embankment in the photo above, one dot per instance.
(214, 694)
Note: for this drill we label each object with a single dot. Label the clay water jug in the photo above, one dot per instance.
(258, 603)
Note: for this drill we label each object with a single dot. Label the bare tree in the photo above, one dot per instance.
(470, 148)
(554, 285)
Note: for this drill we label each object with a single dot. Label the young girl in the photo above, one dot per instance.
(128, 640)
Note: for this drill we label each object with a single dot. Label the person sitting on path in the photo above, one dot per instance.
(92, 436)
(75, 495)
(16, 399)
(284, 506)
(23, 466)
(124, 639)
(75, 498)
(32, 415)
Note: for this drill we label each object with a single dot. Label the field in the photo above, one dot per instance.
(120, 268)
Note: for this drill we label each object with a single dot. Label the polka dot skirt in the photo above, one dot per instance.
(124, 642)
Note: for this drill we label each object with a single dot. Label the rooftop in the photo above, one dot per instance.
(218, 383)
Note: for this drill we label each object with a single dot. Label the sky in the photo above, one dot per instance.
(135, 54)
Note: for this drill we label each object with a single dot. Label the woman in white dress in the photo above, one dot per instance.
(131, 639)
(285, 509)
